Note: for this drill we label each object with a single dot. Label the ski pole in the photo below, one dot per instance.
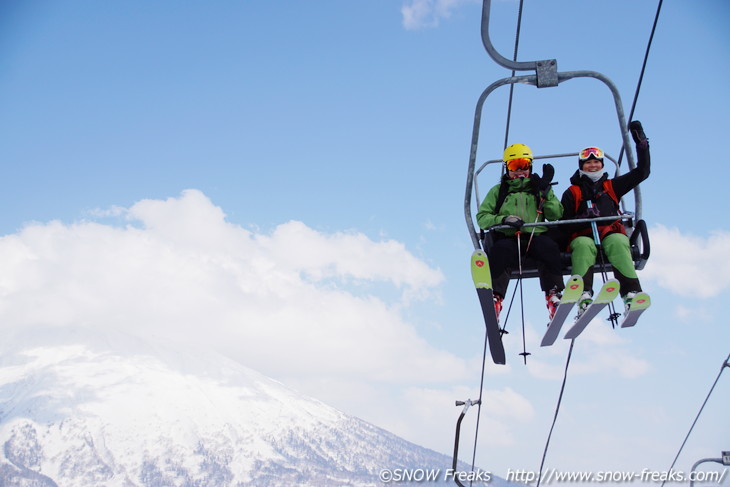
(594, 227)
(532, 230)
(543, 199)
(524, 353)
(599, 249)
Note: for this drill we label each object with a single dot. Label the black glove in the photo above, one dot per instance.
(548, 172)
(637, 132)
(513, 221)
(542, 184)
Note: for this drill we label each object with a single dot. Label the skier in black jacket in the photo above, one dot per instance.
(591, 186)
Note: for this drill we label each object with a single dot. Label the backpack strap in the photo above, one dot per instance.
(577, 196)
(607, 188)
(501, 196)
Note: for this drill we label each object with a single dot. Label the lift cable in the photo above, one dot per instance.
(643, 69)
(555, 417)
(726, 363)
(512, 86)
(479, 407)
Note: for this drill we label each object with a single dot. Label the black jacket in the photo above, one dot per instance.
(602, 202)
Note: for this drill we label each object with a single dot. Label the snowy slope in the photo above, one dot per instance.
(120, 412)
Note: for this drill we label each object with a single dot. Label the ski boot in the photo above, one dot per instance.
(628, 298)
(552, 300)
(584, 301)
(497, 305)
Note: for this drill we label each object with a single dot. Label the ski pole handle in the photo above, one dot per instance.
(594, 227)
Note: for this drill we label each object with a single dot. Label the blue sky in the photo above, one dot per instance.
(325, 144)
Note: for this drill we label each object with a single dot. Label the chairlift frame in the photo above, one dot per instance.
(546, 75)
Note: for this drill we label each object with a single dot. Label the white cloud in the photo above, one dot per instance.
(323, 312)
(600, 349)
(691, 314)
(688, 265)
(418, 14)
(616, 361)
(295, 302)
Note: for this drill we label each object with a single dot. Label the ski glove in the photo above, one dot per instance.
(513, 221)
(542, 184)
(637, 132)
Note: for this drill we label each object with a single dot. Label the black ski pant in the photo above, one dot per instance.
(503, 258)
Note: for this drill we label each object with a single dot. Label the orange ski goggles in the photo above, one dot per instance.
(589, 152)
(519, 164)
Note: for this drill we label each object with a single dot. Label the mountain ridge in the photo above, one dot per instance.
(83, 413)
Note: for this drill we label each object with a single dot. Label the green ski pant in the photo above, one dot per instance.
(618, 251)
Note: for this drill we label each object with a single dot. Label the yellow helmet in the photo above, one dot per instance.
(517, 151)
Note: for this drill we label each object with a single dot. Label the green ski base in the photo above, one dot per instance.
(571, 295)
(607, 294)
(639, 304)
(482, 277)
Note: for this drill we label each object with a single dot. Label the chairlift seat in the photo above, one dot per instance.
(638, 241)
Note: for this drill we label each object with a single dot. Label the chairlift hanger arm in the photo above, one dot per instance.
(545, 70)
(546, 74)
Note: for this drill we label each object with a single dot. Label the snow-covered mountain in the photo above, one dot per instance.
(115, 412)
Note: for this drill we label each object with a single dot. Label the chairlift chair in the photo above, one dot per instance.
(546, 75)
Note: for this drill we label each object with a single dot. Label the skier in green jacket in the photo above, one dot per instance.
(523, 196)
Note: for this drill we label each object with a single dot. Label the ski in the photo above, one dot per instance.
(571, 295)
(482, 277)
(638, 305)
(608, 293)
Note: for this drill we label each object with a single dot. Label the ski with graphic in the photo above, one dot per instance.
(571, 295)
(638, 305)
(606, 295)
(482, 277)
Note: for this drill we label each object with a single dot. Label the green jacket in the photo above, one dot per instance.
(519, 201)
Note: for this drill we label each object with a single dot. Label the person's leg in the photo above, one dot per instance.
(583, 258)
(502, 258)
(546, 251)
(618, 251)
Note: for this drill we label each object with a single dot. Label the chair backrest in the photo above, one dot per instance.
(638, 241)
